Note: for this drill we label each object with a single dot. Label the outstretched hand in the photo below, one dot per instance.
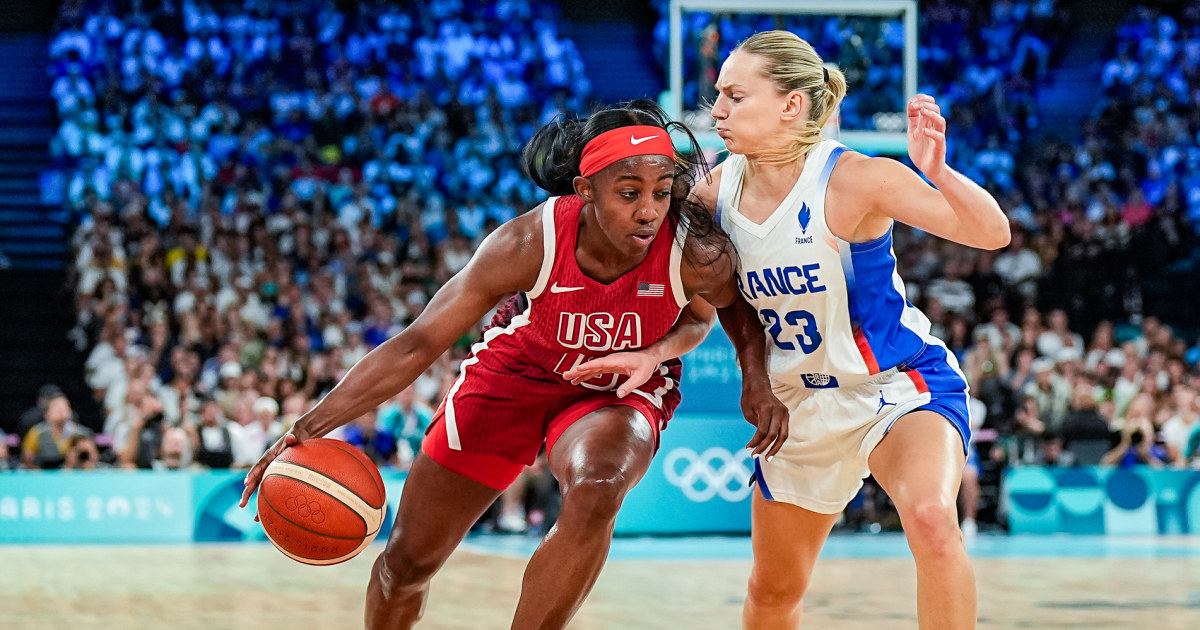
(769, 416)
(254, 477)
(637, 366)
(926, 135)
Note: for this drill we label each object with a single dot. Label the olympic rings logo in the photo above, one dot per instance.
(715, 472)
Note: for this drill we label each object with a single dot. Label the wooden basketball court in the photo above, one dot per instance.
(861, 583)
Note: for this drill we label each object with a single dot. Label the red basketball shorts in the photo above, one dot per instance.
(493, 423)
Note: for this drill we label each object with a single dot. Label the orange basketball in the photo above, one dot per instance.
(321, 502)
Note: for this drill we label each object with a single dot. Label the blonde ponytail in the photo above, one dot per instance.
(792, 64)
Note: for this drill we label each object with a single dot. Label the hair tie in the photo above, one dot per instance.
(826, 71)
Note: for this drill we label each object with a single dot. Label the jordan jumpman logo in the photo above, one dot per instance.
(883, 403)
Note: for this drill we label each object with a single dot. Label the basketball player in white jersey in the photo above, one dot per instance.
(869, 390)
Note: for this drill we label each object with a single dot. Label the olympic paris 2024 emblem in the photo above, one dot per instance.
(715, 472)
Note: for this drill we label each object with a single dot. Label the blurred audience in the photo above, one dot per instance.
(266, 191)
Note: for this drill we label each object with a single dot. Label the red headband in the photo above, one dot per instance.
(624, 142)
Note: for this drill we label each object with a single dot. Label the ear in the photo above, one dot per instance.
(796, 105)
(583, 188)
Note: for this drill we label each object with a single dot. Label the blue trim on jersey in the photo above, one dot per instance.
(761, 481)
(830, 162)
(851, 281)
(875, 304)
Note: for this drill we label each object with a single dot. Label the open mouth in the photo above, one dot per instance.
(644, 239)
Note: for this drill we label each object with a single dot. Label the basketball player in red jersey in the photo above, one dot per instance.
(608, 265)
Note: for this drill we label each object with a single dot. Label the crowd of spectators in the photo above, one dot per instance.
(1147, 133)
(983, 61)
(269, 190)
(868, 50)
(1092, 220)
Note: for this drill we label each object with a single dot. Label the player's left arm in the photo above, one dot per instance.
(958, 209)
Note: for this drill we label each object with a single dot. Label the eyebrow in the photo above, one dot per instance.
(637, 178)
(728, 86)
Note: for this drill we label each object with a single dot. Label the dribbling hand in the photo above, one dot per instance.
(254, 477)
(770, 418)
(926, 135)
(639, 367)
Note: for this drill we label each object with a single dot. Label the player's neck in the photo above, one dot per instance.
(598, 258)
(774, 177)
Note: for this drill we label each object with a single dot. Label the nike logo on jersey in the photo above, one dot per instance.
(554, 288)
(636, 141)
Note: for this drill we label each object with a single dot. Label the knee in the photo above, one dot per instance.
(596, 498)
(931, 525)
(401, 569)
(775, 594)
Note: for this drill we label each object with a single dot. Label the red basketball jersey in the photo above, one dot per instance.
(569, 318)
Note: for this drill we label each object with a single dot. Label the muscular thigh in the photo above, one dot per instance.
(437, 509)
(921, 456)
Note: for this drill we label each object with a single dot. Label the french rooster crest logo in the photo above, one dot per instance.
(805, 216)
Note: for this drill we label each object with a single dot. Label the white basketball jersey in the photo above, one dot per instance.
(836, 312)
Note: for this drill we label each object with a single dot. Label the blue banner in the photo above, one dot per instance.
(698, 481)
(1096, 500)
(218, 517)
(712, 382)
(95, 507)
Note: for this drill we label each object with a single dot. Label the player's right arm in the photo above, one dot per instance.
(717, 286)
(741, 323)
(506, 262)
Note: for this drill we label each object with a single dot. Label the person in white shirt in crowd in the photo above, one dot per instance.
(105, 365)
(257, 427)
(951, 290)
(1000, 330)
(1019, 267)
(1183, 423)
(1051, 391)
(1103, 348)
(1058, 342)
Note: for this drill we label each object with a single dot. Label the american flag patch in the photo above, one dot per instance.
(649, 289)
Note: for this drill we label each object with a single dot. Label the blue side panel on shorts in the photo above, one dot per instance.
(947, 389)
(761, 481)
(876, 304)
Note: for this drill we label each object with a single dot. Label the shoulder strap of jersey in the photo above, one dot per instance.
(677, 245)
(836, 151)
(549, 239)
(729, 191)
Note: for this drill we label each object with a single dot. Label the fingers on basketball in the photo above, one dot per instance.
(322, 502)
